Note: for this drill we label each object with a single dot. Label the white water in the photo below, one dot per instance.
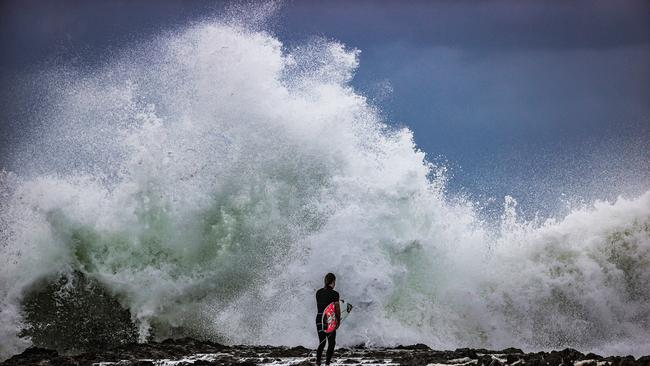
(211, 178)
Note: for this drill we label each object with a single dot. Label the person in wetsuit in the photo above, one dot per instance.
(324, 297)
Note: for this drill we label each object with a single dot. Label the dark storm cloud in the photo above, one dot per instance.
(487, 26)
(34, 31)
(523, 97)
(526, 97)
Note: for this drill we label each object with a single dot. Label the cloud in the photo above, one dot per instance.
(480, 26)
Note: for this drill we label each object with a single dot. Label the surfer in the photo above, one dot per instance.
(325, 297)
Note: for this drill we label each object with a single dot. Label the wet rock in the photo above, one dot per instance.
(586, 363)
(201, 363)
(621, 361)
(290, 352)
(535, 362)
(142, 363)
(496, 362)
(177, 350)
(413, 346)
(484, 360)
(512, 358)
(565, 357)
(466, 352)
(482, 351)
(34, 355)
(537, 359)
(511, 350)
(409, 359)
(569, 354)
(75, 314)
(554, 358)
(592, 356)
(643, 361)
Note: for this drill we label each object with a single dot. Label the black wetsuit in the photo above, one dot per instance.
(324, 297)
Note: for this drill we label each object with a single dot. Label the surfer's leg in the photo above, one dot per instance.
(321, 345)
(331, 342)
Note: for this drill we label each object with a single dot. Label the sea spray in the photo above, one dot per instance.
(208, 179)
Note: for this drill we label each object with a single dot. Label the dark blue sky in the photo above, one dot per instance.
(543, 100)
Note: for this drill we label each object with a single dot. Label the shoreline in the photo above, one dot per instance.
(188, 351)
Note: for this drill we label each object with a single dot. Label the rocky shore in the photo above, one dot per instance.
(187, 351)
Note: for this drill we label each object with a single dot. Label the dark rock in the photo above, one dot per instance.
(410, 359)
(534, 359)
(40, 352)
(32, 355)
(414, 346)
(592, 356)
(482, 350)
(495, 362)
(252, 363)
(484, 360)
(554, 358)
(588, 363)
(621, 361)
(643, 361)
(538, 361)
(512, 358)
(290, 352)
(627, 361)
(466, 352)
(569, 354)
(511, 350)
(75, 314)
(409, 355)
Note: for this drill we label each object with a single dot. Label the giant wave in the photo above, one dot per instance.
(204, 182)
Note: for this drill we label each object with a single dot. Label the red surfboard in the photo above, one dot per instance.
(329, 316)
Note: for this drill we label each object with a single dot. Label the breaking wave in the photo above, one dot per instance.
(204, 183)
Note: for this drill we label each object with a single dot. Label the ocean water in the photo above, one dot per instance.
(205, 181)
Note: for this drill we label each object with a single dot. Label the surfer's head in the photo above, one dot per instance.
(330, 280)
